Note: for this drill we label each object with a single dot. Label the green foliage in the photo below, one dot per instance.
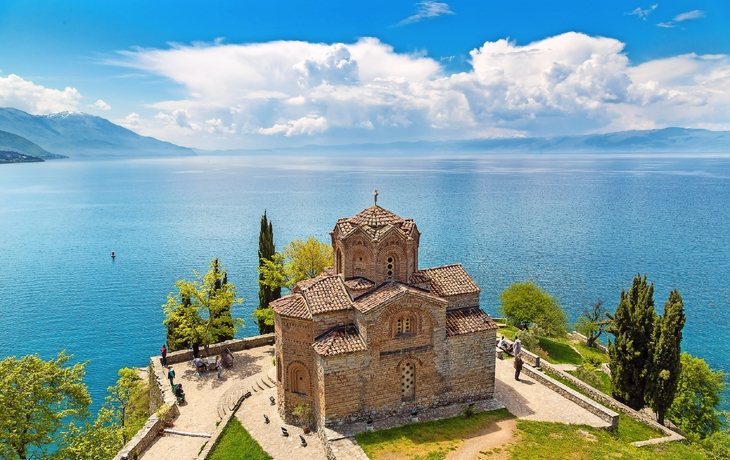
(717, 445)
(120, 398)
(593, 322)
(525, 304)
(37, 398)
(267, 248)
(300, 260)
(529, 340)
(235, 444)
(588, 376)
(630, 354)
(698, 397)
(93, 441)
(201, 311)
(665, 364)
(590, 354)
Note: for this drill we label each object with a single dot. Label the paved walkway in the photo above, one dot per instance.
(204, 396)
(528, 399)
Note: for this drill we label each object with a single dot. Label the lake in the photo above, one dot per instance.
(581, 226)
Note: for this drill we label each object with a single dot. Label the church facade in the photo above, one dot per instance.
(375, 335)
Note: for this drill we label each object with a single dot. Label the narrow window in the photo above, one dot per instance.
(408, 382)
(390, 266)
(399, 329)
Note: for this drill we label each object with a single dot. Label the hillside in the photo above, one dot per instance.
(7, 156)
(14, 143)
(81, 135)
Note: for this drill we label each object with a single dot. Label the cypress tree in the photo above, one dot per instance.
(632, 326)
(267, 249)
(666, 366)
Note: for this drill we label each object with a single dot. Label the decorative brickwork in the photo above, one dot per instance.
(374, 336)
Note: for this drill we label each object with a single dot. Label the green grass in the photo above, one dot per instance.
(235, 443)
(560, 351)
(508, 332)
(605, 385)
(426, 441)
(587, 352)
(546, 440)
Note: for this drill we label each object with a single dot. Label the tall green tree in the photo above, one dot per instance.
(267, 249)
(665, 367)
(99, 439)
(201, 310)
(698, 397)
(120, 397)
(299, 261)
(38, 398)
(630, 353)
(526, 304)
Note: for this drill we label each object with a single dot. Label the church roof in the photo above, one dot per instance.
(375, 222)
(466, 320)
(447, 280)
(321, 294)
(292, 306)
(386, 292)
(359, 283)
(339, 341)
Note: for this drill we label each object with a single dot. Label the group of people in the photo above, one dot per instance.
(223, 360)
(514, 349)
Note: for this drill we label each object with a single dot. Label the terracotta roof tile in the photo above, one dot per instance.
(466, 320)
(292, 306)
(447, 280)
(359, 284)
(375, 222)
(324, 293)
(384, 293)
(339, 341)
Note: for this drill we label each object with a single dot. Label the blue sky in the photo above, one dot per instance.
(217, 74)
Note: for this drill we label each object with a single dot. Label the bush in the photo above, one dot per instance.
(529, 340)
(588, 376)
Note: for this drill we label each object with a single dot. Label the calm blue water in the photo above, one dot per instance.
(580, 226)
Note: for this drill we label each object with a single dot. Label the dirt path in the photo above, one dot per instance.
(494, 435)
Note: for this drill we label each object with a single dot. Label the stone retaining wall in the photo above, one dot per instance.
(161, 392)
(213, 441)
(612, 403)
(568, 393)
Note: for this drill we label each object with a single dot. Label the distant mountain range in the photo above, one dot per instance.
(13, 143)
(80, 135)
(667, 140)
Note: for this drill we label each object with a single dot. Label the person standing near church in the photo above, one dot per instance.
(517, 346)
(518, 366)
(171, 375)
(163, 352)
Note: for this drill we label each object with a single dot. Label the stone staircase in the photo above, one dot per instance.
(233, 397)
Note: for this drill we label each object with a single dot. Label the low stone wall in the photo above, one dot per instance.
(218, 348)
(612, 403)
(568, 393)
(160, 392)
(213, 441)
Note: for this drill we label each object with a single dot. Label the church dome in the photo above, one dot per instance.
(374, 221)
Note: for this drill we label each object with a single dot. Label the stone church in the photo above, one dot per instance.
(376, 335)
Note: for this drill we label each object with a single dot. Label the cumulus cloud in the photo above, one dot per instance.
(36, 99)
(293, 92)
(101, 105)
(643, 13)
(427, 10)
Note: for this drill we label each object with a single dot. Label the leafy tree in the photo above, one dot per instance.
(698, 397)
(665, 364)
(92, 441)
(120, 398)
(201, 311)
(593, 322)
(632, 326)
(525, 304)
(717, 445)
(300, 260)
(37, 398)
(267, 248)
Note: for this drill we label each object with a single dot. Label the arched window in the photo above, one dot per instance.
(408, 381)
(298, 379)
(339, 262)
(403, 326)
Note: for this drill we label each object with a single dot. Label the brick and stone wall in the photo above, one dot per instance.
(471, 366)
(463, 301)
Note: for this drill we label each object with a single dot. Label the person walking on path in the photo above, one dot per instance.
(163, 352)
(517, 346)
(171, 375)
(518, 366)
(218, 364)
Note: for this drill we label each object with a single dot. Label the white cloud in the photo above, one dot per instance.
(642, 14)
(666, 25)
(694, 14)
(427, 10)
(293, 92)
(36, 99)
(101, 105)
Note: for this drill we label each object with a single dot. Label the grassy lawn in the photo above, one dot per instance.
(235, 443)
(560, 351)
(508, 332)
(426, 441)
(546, 440)
(591, 352)
(605, 385)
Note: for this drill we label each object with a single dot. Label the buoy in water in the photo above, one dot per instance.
(113, 255)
